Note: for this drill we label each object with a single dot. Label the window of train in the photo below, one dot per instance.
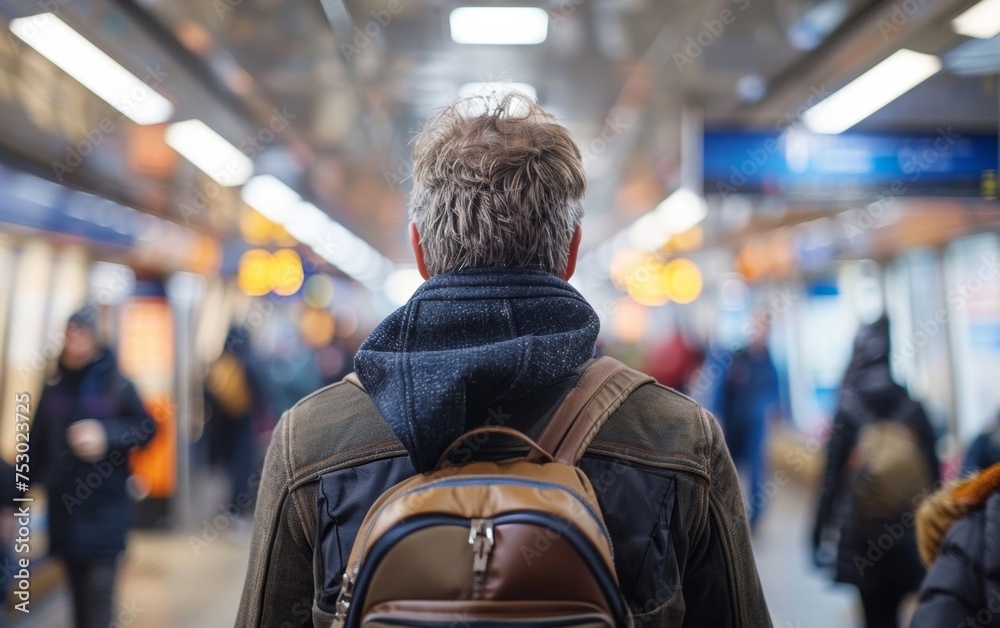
(68, 293)
(921, 355)
(8, 261)
(25, 364)
(972, 283)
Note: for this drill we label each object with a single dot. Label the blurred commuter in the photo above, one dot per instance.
(88, 419)
(984, 451)
(7, 570)
(673, 361)
(231, 397)
(880, 458)
(959, 532)
(748, 398)
(497, 335)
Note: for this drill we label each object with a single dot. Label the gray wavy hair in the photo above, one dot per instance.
(496, 182)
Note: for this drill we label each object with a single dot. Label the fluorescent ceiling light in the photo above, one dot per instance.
(679, 212)
(305, 222)
(500, 88)
(85, 62)
(887, 81)
(210, 152)
(499, 25)
(981, 21)
(271, 197)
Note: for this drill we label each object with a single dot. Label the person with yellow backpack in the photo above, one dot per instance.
(232, 397)
(880, 460)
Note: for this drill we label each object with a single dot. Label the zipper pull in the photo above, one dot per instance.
(481, 540)
(344, 599)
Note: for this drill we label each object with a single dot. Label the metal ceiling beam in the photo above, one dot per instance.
(867, 37)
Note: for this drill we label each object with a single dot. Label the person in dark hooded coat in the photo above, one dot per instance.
(88, 419)
(959, 533)
(868, 394)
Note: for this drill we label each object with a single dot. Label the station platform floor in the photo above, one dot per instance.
(166, 584)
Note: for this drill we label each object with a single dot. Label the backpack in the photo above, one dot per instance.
(889, 471)
(226, 381)
(496, 543)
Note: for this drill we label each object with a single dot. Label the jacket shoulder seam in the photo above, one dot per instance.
(307, 419)
(289, 471)
(318, 391)
(710, 439)
(361, 454)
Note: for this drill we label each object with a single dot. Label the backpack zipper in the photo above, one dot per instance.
(343, 604)
(476, 479)
(481, 540)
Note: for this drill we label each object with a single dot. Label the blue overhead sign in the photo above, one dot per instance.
(849, 166)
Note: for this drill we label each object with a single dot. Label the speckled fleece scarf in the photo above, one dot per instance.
(467, 340)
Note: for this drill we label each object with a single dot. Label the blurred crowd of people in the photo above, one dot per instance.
(89, 418)
(881, 467)
(881, 462)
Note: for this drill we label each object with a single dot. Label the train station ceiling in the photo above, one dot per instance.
(326, 94)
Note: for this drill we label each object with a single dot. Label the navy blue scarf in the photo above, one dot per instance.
(470, 339)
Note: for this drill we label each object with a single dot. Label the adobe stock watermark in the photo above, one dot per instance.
(901, 13)
(301, 614)
(260, 311)
(401, 167)
(49, 9)
(876, 548)
(914, 165)
(693, 46)
(543, 540)
(125, 103)
(984, 616)
(102, 469)
(758, 323)
(565, 9)
(796, 458)
(120, 282)
(612, 130)
(371, 30)
(399, 171)
(128, 614)
(251, 146)
(756, 158)
(466, 451)
(958, 296)
(212, 529)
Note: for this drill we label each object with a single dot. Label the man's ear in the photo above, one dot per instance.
(574, 249)
(418, 251)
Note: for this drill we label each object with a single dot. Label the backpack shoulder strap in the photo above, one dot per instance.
(602, 388)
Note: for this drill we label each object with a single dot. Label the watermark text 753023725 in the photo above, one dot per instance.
(22, 504)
